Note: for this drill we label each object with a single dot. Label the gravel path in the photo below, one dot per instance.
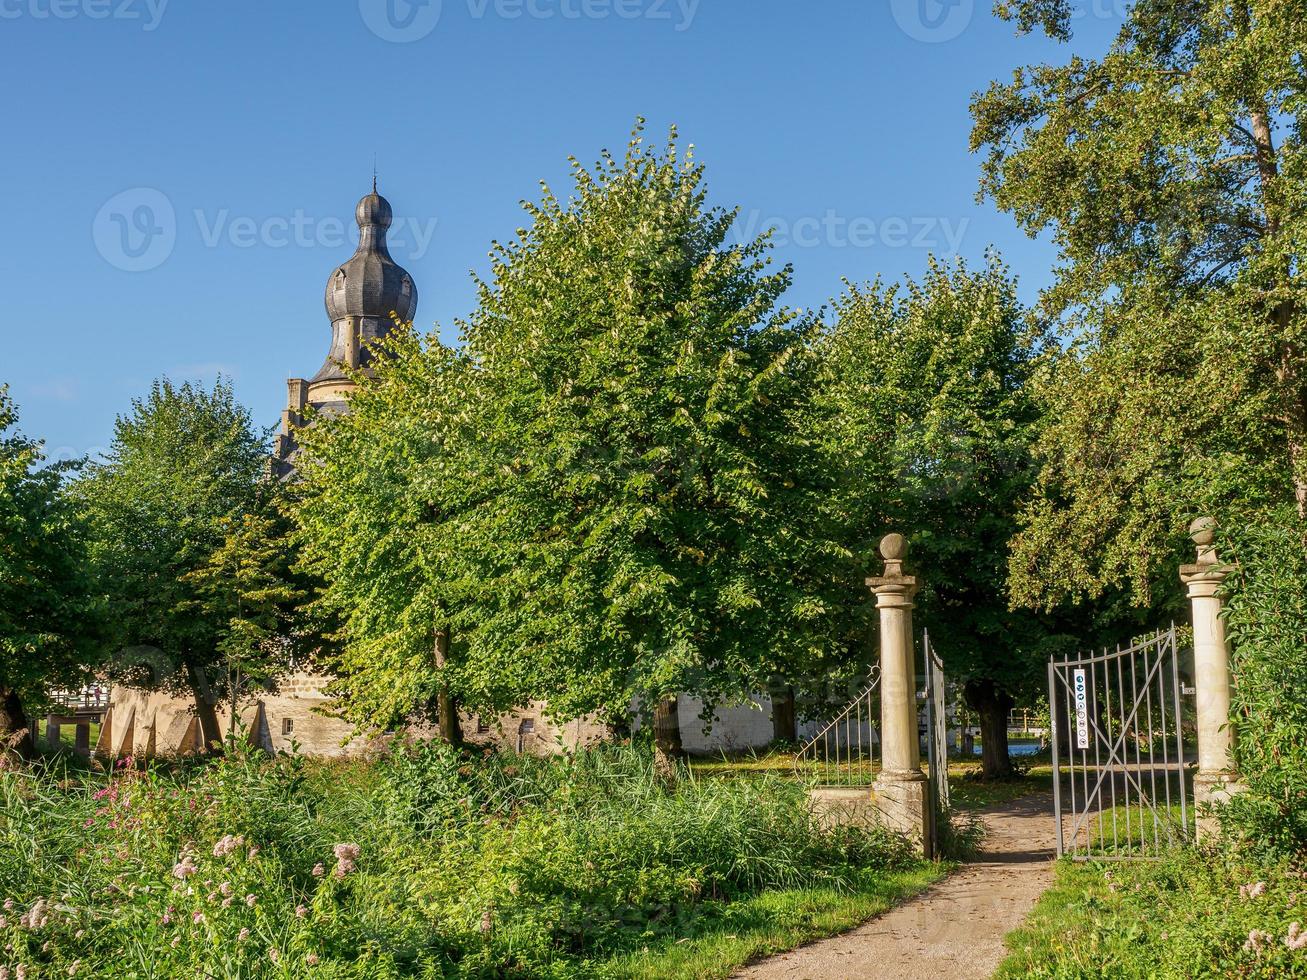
(952, 931)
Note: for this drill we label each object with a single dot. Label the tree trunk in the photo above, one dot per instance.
(993, 707)
(446, 708)
(15, 736)
(783, 728)
(210, 731)
(667, 739)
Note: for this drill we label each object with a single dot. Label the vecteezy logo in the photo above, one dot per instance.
(933, 21)
(400, 21)
(136, 230)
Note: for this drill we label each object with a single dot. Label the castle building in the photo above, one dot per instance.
(361, 296)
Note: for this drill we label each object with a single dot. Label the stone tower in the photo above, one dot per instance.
(361, 295)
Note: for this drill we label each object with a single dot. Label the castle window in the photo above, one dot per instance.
(527, 727)
(482, 727)
(287, 727)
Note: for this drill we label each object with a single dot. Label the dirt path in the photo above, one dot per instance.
(952, 931)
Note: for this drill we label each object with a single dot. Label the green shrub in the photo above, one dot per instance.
(1267, 595)
(428, 863)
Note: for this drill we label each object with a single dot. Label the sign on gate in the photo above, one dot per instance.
(1082, 710)
(1122, 785)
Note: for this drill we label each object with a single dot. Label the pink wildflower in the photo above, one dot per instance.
(346, 855)
(319, 870)
(72, 967)
(300, 911)
(243, 935)
(274, 954)
(37, 917)
(176, 941)
(1256, 940)
(226, 902)
(1297, 938)
(1256, 890)
(312, 960)
(197, 917)
(228, 845)
(250, 900)
(184, 868)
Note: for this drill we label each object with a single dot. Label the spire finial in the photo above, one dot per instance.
(374, 173)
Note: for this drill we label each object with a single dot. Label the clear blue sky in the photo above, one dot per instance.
(842, 122)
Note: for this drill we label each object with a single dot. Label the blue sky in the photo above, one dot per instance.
(181, 174)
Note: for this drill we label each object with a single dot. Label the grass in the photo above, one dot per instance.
(773, 923)
(1181, 917)
(428, 863)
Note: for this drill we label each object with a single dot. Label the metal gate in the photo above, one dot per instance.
(843, 752)
(936, 727)
(1119, 721)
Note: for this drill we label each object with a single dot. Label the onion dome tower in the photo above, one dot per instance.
(361, 296)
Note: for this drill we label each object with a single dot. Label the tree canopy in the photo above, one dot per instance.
(1170, 175)
(48, 616)
(933, 414)
(611, 491)
(184, 471)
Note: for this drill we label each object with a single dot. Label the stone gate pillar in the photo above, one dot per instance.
(900, 789)
(1217, 779)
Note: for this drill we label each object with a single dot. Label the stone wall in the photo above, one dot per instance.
(298, 714)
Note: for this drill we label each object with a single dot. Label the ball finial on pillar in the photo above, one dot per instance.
(1203, 531)
(894, 547)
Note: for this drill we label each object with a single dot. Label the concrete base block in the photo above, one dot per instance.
(1212, 789)
(837, 806)
(903, 799)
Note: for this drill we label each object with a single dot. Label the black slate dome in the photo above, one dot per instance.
(371, 283)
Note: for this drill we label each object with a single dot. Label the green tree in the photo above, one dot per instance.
(249, 589)
(373, 503)
(1170, 174)
(930, 387)
(47, 613)
(185, 466)
(608, 492)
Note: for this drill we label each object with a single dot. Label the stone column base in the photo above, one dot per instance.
(903, 799)
(1212, 789)
(835, 806)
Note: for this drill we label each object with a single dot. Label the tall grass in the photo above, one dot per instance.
(465, 866)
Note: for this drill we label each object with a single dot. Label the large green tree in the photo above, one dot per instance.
(1170, 174)
(931, 389)
(47, 613)
(182, 476)
(609, 493)
(374, 494)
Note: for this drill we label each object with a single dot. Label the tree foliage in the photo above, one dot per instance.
(184, 469)
(610, 492)
(48, 617)
(1170, 175)
(1267, 596)
(932, 421)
